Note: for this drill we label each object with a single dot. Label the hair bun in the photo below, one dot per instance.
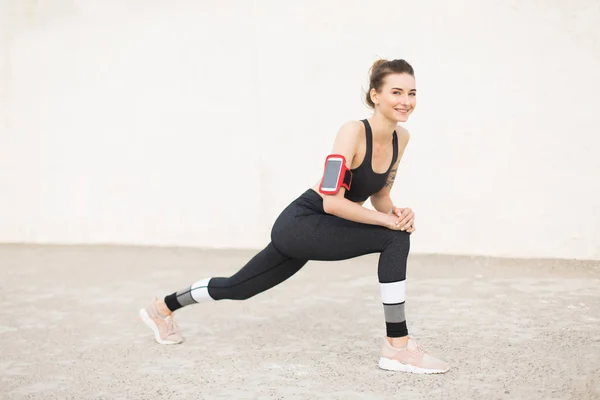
(378, 64)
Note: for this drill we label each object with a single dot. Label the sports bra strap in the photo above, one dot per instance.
(395, 157)
(369, 149)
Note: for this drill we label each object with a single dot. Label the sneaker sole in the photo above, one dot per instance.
(148, 321)
(393, 365)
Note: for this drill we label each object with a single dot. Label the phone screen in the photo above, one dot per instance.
(332, 173)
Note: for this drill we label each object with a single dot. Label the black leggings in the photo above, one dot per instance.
(304, 232)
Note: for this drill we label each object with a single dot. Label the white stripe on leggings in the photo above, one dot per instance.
(199, 291)
(393, 292)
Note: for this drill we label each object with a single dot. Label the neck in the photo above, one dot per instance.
(383, 128)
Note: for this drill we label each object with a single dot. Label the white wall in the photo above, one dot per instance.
(195, 123)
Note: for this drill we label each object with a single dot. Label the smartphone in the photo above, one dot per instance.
(335, 169)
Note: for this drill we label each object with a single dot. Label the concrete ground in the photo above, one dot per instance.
(512, 329)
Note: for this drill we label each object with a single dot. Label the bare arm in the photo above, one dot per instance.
(346, 143)
(349, 210)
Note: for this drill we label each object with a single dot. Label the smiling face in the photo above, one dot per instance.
(397, 97)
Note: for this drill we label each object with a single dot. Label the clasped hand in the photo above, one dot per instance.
(401, 219)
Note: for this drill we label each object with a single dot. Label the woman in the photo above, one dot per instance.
(333, 225)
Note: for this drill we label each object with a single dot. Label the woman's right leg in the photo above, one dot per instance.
(320, 236)
(324, 237)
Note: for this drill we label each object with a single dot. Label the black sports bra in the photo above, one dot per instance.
(365, 181)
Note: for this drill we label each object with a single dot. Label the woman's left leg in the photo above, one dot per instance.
(266, 269)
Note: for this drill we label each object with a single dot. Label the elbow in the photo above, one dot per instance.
(374, 198)
(379, 200)
(329, 204)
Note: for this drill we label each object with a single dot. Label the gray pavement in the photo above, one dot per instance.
(511, 329)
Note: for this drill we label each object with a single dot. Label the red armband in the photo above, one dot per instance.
(336, 175)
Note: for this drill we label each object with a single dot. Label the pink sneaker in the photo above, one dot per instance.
(411, 358)
(166, 330)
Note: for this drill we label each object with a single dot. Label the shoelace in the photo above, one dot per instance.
(171, 325)
(419, 347)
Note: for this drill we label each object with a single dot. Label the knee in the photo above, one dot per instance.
(399, 240)
(398, 236)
